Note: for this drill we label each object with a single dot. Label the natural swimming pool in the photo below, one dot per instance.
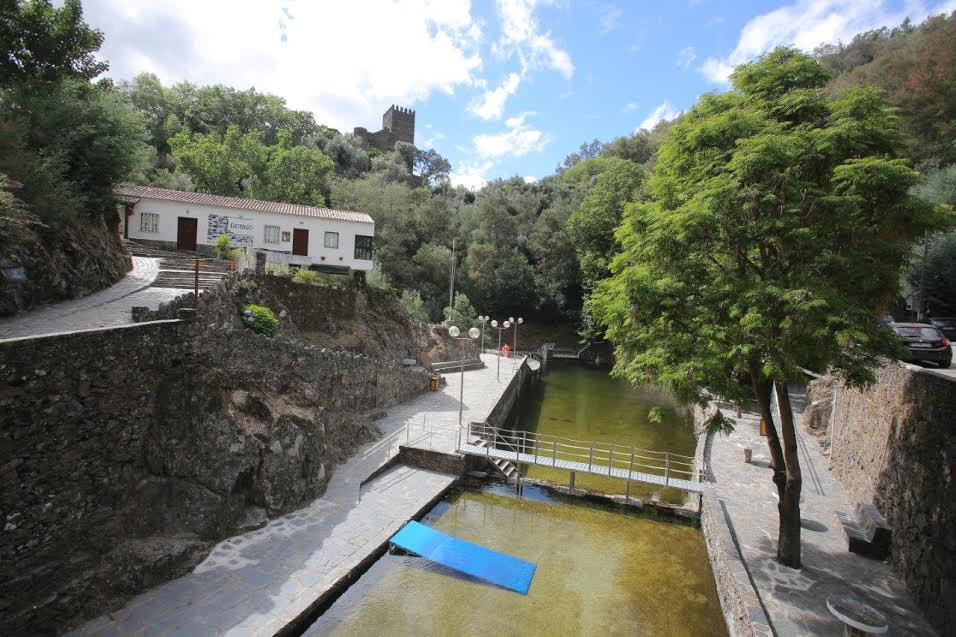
(602, 569)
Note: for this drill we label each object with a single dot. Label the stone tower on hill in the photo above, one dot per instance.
(398, 125)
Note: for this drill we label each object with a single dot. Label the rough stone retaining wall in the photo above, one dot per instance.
(894, 445)
(738, 599)
(125, 453)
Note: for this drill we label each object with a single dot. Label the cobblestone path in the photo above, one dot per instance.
(105, 308)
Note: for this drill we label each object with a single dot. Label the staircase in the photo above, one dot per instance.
(450, 367)
(506, 467)
(178, 269)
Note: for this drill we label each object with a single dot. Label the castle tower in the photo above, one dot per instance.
(400, 122)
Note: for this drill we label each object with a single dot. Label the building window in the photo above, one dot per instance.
(331, 239)
(286, 236)
(149, 222)
(271, 234)
(363, 247)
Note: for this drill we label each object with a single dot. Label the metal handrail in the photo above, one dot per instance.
(530, 444)
(548, 438)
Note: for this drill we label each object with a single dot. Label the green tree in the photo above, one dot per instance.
(463, 314)
(218, 164)
(412, 301)
(939, 283)
(296, 174)
(45, 44)
(778, 223)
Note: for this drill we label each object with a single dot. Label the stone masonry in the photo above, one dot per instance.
(126, 453)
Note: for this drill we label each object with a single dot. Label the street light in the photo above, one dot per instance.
(506, 325)
(520, 321)
(473, 334)
(483, 320)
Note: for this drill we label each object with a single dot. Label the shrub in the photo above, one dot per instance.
(223, 249)
(308, 276)
(277, 269)
(260, 319)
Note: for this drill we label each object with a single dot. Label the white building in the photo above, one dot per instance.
(304, 236)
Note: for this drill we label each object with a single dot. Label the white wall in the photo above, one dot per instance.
(170, 211)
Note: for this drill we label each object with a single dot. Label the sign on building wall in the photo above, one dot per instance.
(242, 231)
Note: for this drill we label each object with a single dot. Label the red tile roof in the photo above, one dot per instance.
(131, 194)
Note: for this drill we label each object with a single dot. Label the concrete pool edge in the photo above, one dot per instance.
(307, 616)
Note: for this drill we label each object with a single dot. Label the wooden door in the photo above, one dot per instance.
(186, 230)
(300, 242)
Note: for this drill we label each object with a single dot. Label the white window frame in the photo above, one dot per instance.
(149, 222)
(329, 234)
(274, 236)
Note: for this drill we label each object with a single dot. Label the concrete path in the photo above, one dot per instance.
(256, 583)
(105, 308)
(795, 600)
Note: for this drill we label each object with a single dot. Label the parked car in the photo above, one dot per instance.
(946, 325)
(925, 343)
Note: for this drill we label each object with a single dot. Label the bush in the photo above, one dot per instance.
(223, 248)
(260, 319)
(412, 301)
(323, 278)
(308, 276)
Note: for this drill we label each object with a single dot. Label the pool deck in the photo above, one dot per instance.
(794, 601)
(260, 582)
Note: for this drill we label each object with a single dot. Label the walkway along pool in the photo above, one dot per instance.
(602, 570)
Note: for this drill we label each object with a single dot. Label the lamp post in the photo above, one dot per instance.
(472, 334)
(516, 324)
(506, 325)
(483, 320)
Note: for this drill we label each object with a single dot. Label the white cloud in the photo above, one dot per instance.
(518, 139)
(609, 17)
(492, 103)
(663, 112)
(808, 23)
(521, 36)
(471, 176)
(630, 107)
(686, 57)
(308, 53)
(528, 179)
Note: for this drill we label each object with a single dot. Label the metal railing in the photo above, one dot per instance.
(599, 457)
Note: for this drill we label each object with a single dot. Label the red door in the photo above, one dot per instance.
(300, 242)
(186, 233)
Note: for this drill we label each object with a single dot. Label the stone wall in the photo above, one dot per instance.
(63, 262)
(126, 453)
(894, 445)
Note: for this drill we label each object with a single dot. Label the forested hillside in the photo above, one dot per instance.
(535, 248)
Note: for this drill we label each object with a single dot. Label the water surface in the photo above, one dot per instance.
(600, 572)
(583, 403)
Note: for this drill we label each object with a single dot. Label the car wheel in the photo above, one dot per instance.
(946, 363)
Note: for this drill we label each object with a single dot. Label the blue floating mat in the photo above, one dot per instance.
(471, 559)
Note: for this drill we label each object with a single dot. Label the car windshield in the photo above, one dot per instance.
(918, 332)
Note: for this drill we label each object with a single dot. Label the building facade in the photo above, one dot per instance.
(300, 236)
(398, 125)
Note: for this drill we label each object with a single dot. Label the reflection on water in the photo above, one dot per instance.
(584, 403)
(600, 572)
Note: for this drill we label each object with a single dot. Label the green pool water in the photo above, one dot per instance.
(584, 403)
(600, 571)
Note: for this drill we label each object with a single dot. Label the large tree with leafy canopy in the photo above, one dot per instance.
(778, 221)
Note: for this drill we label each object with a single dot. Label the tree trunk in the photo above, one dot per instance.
(788, 547)
(786, 465)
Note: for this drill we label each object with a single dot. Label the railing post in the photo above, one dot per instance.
(667, 466)
(591, 458)
(630, 468)
(407, 433)
(610, 460)
(554, 456)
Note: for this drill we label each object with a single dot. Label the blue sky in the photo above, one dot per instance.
(501, 88)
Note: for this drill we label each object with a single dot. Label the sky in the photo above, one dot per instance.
(500, 87)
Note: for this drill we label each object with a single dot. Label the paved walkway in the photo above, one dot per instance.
(255, 583)
(105, 308)
(795, 600)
